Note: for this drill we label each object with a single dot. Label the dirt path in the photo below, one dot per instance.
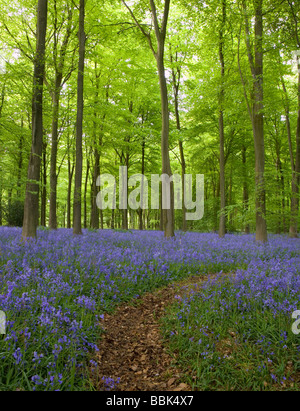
(131, 348)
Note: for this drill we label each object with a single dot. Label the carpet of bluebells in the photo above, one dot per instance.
(236, 332)
(55, 290)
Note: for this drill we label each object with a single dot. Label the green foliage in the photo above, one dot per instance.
(14, 213)
(122, 102)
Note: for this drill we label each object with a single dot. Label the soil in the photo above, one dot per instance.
(132, 348)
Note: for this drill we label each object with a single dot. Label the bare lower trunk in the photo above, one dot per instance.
(44, 190)
(245, 188)
(258, 125)
(168, 214)
(256, 113)
(70, 173)
(95, 210)
(183, 172)
(141, 225)
(85, 193)
(222, 222)
(53, 161)
(296, 177)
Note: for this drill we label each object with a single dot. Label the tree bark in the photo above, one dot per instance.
(77, 228)
(168, 214)
(176, 83)
(296, 176)
(31, 206)
(44, 189)
(70, 174)
(258, 120)
(141, 211)
(257, 116)
(222, 223)
(160, 33)
(53, 161)
(245, 188)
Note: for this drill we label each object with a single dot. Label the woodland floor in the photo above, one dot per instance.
(132, 347)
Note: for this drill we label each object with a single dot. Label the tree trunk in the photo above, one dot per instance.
(257, 115)
(77, 229)
(176, 76)
(96, 173)
(222, 223)
(160, 33)
(258, 127)
(168, 214)
(85, 193)
(245, 188)
(141, 225)
(296, 175)
(70, 174)
(31, 206)
(20, 161)
(44, 189)
(53, 159)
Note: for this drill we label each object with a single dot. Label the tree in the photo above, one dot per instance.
(31, 206)
(60, 78)
(256, 112)
(222, 224)
(160, 34)
(77, 229)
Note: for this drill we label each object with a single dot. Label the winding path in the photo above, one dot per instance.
(132, 348)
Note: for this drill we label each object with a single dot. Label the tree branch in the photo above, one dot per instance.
(147, 35)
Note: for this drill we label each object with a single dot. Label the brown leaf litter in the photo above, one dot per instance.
(132, 349)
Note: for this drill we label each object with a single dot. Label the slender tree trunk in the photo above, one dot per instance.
(257, 115)
(160, 33)
(77, 228)
(258, 122)
(20, 161)
(141, 225)
(96, 173)
(161, 214)
(85, 192)
(58, 82)
(95, 210)
(53, 159)
(44, 189)
(245, 188)
(112, 224)
(222, 223)
(296, 175)
(71, 169)
(176, 76)
(168, 214)
(31, 206)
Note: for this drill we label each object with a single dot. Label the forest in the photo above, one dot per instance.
(217, 93)
(149, 196)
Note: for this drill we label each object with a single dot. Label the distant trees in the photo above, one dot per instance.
(221, 97)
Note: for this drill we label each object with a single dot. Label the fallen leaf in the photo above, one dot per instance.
(182, 387)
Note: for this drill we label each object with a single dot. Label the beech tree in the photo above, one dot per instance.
(256, 112)
(160, 29)
(31, 206)
(77, 226)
